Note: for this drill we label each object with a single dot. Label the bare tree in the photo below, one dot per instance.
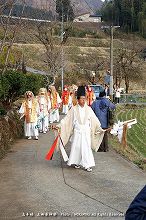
(15, 31)
(52, 50)
(7, 25)
(90, 62)
(127, 66)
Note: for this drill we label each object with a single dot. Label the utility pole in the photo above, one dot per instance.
(112, 28)
(62, 49)
(111, 62)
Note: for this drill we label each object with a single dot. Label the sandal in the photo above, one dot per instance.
(89, 169)
(77, 167)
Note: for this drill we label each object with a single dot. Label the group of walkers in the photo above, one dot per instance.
(41, 111)
(86, 120)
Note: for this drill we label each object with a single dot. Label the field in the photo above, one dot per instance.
(84, 40)
(136, 135)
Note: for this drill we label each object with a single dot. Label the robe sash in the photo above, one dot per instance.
(53, 147)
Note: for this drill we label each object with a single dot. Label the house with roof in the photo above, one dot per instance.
(88, 18)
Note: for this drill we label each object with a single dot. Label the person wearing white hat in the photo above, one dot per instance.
(30, 110)
(55, 105)
(44, 108)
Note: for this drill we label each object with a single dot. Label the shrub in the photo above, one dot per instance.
(2, 110)
(14, 84)
(34, 82)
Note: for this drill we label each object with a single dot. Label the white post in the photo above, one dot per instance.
(111, 63)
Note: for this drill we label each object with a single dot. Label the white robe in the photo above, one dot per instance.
(43, 121)
(54, 114)
(30, 129)
(117, 93)
(83, 124)
(67, 107)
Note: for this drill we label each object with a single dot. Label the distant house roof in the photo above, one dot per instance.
(83, 14)
(95, 16)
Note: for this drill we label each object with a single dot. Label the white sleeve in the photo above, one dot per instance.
(58, 99)
(37, 108)
(21, 110)
(66, 126)
(70, 101)
(49, 104)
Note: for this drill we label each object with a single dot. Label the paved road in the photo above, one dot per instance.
(29, 184)
(32, 70)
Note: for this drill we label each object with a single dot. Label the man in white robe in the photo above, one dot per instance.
(55, 105)
(86, 131)
(44, 108)
(30, 110)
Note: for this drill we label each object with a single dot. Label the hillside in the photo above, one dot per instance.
(46, 9)
(30, 12)
(79, 6)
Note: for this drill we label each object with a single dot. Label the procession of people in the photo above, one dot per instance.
(85, 121)
(41, 111)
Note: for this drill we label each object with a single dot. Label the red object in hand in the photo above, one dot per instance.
(51, 151)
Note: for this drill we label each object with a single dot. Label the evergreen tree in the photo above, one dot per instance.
(64, 7)
(129, 14)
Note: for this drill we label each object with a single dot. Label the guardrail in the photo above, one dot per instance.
(133, 99)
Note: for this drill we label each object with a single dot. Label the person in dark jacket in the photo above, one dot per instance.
(137, 209)
(100, 107)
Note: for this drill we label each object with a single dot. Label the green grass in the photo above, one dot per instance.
(136, 135)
